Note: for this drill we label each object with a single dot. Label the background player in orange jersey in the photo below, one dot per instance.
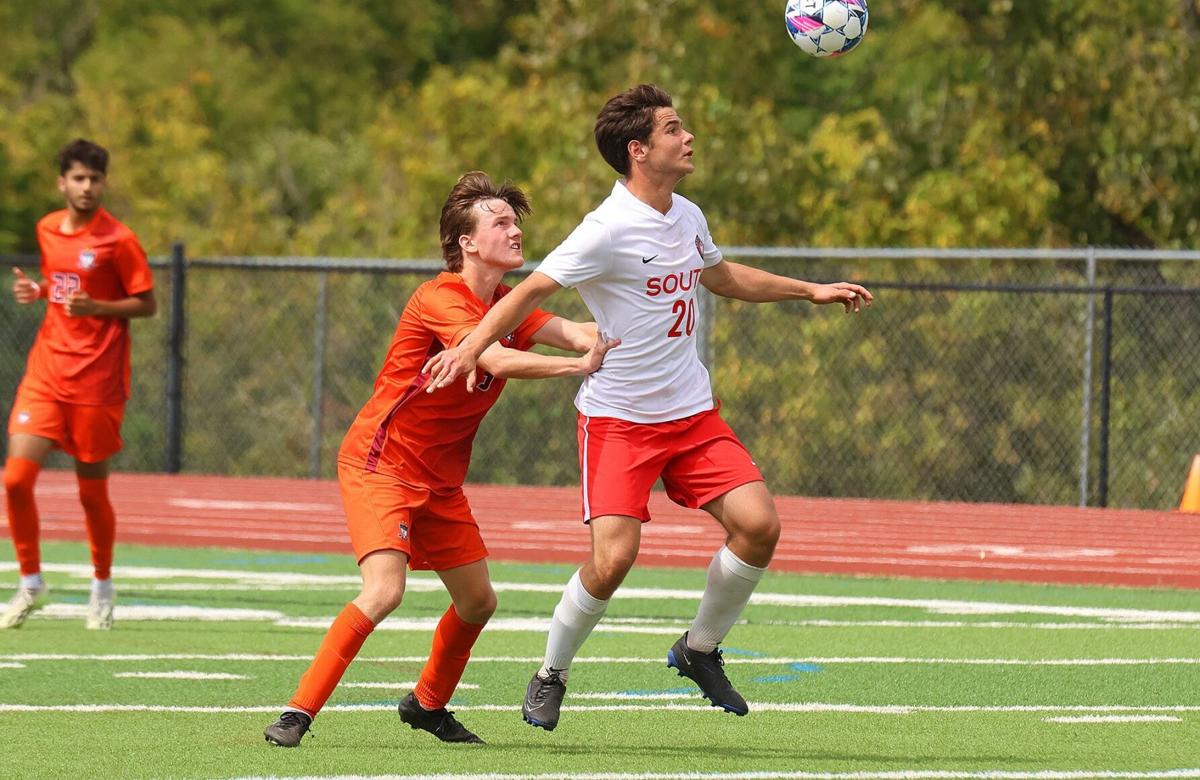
(402, 464)
(95, 279)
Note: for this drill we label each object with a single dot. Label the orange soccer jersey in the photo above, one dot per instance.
(421, 438)
(85, 360)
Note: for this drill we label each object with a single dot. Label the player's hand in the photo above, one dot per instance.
(25, 290)
(448, 365)
(80, 304)
(853, 297)
(594, 357)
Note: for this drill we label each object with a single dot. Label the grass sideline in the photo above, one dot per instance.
(843, 675)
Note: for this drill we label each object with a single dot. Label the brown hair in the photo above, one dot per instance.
(85, 152)
(459, 215)
(627, 117)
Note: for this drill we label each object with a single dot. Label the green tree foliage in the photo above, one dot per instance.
(299, 127)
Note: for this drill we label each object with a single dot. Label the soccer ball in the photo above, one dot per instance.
(826, 28)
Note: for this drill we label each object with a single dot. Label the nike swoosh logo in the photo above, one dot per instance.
(648, 259)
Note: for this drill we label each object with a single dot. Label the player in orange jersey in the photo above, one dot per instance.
(95, 279)
(403, 462)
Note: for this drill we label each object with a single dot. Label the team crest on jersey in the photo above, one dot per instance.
(87, 258)
(699, 246)
(402, 532)
(24, 417)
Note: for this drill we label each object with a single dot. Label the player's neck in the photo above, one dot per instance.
(483, 280)
(75, 220)
(658, 194)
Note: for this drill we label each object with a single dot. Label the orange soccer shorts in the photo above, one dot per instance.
(435, 529)
(87, 433)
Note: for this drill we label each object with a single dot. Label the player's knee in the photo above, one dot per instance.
(384, 597)
(610, 570)
(479, 608)
(17, 485)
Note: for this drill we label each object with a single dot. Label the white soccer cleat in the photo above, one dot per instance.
(99, 613)
(22, 605)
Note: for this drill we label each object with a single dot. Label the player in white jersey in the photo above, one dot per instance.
(637, 262)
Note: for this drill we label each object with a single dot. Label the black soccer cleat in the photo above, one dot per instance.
(441, 722)
(707, 671)
(543, 700)
(288, 730)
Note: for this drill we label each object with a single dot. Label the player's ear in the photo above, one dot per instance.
(466, 243)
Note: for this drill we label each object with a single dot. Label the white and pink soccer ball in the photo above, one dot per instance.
(826, 28)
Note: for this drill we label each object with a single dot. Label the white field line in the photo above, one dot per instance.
(183, 675)
(12, 666)
(522, 625)
(657, 660)
(896, 774)
(626, 625)
(124, 612)
(428, 583)
(811, 708)
(399, 685)
(1115, 719)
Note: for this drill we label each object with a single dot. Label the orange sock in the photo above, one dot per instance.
(343, 641)
(19, 476)
(452, 643)
(101, 524)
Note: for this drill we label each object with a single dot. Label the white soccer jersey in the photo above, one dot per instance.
(638, 271)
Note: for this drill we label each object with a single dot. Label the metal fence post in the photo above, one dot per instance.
(706, 303)
(314, 447)
(1105, 384)
(1085, 426)
(175, 336)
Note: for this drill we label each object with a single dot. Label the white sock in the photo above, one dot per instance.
(576, 615)
(730, 583)
(32, 581)
(102, 588)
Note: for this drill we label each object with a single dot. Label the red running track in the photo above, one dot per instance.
(842, 536)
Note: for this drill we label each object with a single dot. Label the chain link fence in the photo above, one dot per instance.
(1027, 376)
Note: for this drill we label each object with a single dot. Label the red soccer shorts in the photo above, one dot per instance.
(699, 459)
(435, 530)
(87, 433)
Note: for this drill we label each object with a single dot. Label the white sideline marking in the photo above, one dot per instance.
(428, 584)
(182, 675)
(898, 774)
(399, 685)
(267, 506)
(656, 660)
(1010, 551)
(524, 625)
(12, 666)
(813, 707)
(1115, 719)
(122, 612)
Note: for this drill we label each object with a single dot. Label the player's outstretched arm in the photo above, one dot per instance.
(450, 364)
(734, 280)
(25, 290)
(514, 364)
(566, 334)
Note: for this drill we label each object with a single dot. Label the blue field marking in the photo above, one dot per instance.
(739, 651)
(802, 668)
(658, 692)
